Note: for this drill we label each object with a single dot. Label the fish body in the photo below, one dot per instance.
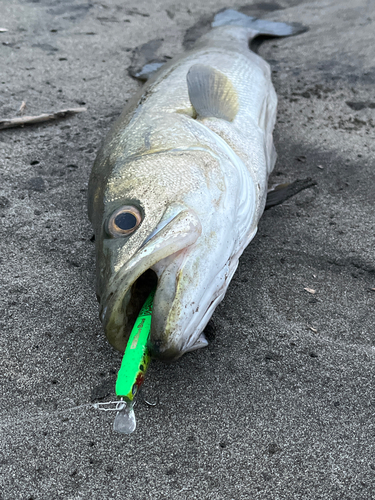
(189, 159)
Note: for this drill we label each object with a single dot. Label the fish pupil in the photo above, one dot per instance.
(126, 221)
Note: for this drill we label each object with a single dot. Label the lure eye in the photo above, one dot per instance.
(124, 221)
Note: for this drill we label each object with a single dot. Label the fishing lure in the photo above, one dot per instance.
(133, 369)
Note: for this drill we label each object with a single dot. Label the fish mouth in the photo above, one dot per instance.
(130, 286)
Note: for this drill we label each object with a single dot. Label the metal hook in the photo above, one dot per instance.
(152, 404)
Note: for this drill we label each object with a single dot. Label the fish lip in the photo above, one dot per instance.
(173, 353)
(179, 233)
(169, 352)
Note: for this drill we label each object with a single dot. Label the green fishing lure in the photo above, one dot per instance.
(136, 357)
(133, 369)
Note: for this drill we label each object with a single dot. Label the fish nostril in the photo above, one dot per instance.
(98, 298)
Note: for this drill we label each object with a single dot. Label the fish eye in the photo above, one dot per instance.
(124, 221)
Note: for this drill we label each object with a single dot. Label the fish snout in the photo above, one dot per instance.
(154, 265)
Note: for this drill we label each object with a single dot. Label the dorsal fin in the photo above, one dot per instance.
(211, 93)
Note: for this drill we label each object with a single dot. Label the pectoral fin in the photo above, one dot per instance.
(211, 93)
(147, 71)
(145, 61)
(283, 192)
(201, 342)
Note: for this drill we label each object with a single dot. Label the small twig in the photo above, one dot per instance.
(3, 30)
(31, 120)
(22, 108)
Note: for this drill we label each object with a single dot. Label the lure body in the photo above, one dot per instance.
(136, 357)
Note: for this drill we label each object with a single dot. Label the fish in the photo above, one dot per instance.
(180, 183)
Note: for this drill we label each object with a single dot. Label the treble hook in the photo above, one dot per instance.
(152, 404)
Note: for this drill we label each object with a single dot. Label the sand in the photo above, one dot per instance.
(281, 403)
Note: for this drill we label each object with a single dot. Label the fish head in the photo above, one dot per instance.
(173, 231)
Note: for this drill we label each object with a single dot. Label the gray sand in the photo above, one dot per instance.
(281, 403)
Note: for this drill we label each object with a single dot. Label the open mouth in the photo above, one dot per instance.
(139, 292)
(130, 286)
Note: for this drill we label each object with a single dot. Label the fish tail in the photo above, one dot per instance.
(230, 17)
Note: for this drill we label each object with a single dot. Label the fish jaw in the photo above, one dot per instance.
(190, 287)
(185, 301)
(172, 239)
